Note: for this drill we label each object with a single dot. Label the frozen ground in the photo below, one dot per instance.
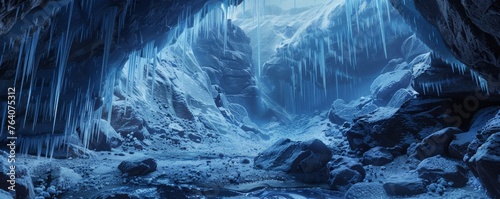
(221, 169)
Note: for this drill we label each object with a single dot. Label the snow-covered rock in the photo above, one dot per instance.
(377, 156)
(436, 167)
(294, 157)
(139, 167)
(435, 144)
(400, 97)
(485, 164)
(106, 138)
(460, 143)
(405, 187)
(434, 77)
(23, 182)
(389, 127)
(344, 172)
(385, 85)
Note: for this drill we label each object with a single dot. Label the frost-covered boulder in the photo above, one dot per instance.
(483, 155)
(385, 85)
(485, 164)
(434, 77)
(341, 111)
(389, 127)
(377, 156)
(435, 144)
(344, 172)
(294, 157)
(405, 187)
(436, 167)
(366, 190)
(137, 168)
(413, 47)
(460, 143)
(23, 183)
(400, 97)
(106, 137)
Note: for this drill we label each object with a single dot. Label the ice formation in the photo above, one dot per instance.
(47, 124)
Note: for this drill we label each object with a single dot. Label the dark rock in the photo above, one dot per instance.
(341, 112)
(23, 183)
(231, 68)
(106, 138)
(483, 155)
(305, 160)
(344, 172)
(385, 85)
(460, 143)
(245, 161)
(405, 187)
(389, 127)
(180, 105)
(377, 156)
(137, 168)
(434, 77)
(470, 31)
(366, 190)
(294, 157)
(117, 193)
(435, 144)
(436, 167)
(485, 164)
(125, 119)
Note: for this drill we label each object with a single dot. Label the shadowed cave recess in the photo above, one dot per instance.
(249, 99)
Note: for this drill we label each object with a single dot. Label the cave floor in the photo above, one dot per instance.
(223, 169)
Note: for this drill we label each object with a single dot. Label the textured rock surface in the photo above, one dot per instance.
(434, 77)
(294, 157)
(470, 28)
(344, 172)
(385, 85)
(467, 30)
(434, 168)
(460, 143)
(389, 127)
(377, 156)
(230, 68)
(137, 168)
(485, 164)
(435, 144)
(405, 187)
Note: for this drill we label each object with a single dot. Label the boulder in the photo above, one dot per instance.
(384, 86)
(400, 97)
(460, 143)
(436, 167)
(106, 138)
(435, 77)
(64, 178)
(295, 157)
(137, 168)
(405, 187)
(485, 164)
(366, 190)
(377, 156)
(389, 127)
(344, 172)
(435, 144)
(413, 47)
(23, 183)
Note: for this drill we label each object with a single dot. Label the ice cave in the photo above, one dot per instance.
(272, 99)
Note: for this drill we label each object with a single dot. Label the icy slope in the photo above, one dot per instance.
(320, 53)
